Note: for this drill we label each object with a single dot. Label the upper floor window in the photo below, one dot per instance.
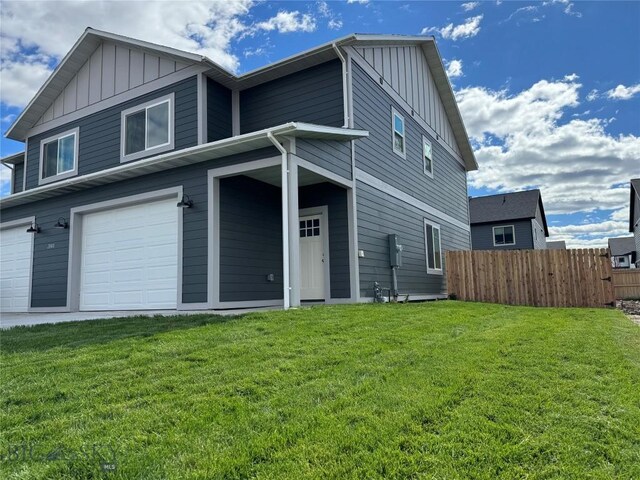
(147, 129)
(432, 247)
(59, 156)
(399, 141)
(427, 156)
(504, 235)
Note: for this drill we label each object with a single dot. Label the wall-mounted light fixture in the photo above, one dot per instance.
(34, 228)
(186, 202)
(61, 223)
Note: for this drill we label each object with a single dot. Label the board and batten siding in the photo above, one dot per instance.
(313, 95)
(330, 155)
(51, 245)
(446, 191)
(482, 235)
(111, 70)
(335, 198)
(218, 111)
(99, 133)
(406, 70)
(380, 214)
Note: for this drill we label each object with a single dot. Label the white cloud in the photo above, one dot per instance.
(623, 93)
(470, 28)
(468, 6)
(5, 181)
(334, 24)
(361, 2)
(521, 143)
(592, 95)
(454, 68)
(288, 22)
(572, 77)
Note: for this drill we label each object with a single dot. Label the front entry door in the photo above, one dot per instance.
(312, 258)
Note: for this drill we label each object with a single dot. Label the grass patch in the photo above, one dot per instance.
(438, 390)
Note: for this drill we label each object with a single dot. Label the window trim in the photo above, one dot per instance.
(493, 231)
(428, 173)
(403, 153)
(60, 176)
(147, 152)
(432, 271)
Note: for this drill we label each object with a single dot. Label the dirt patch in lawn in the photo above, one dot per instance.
(631, 309)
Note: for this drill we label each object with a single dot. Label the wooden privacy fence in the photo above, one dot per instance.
(542, 278)
(626, 283)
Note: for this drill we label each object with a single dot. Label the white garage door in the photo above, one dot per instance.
(130, 258)
(15, 266)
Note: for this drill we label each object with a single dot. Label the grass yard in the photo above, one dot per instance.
(441, 390)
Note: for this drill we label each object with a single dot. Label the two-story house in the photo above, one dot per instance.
(509, 221)
(154, 179)
(634, 215)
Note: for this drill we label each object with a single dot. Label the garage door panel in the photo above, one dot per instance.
(15, 268)
(130, 258)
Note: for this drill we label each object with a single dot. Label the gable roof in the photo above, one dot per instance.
(634, 186)
(622, 245)
(506, 207)
(91, 39)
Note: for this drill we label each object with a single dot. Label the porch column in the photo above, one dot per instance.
(294, 234)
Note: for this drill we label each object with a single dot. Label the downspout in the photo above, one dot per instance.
(345, 100)
(285, 220)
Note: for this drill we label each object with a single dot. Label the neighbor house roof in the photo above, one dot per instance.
(91, 38)
(13, 158)
(557, 245)
(507, 206)
(622, 246)
(635, 192)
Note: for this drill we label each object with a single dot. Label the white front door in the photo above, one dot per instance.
(130, 258)
(312, 258)
(16, 246)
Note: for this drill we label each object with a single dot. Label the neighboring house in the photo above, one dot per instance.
(154, 179)
(634, 215)
(623, 252)
(510, 221)
(557, 245)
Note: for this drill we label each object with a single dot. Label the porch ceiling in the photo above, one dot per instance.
(273, 176)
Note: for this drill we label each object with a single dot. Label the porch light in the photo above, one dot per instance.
(61, 223)
(34, 228)
(186, 202)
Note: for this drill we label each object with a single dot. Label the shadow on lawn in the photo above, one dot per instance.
(92, 332)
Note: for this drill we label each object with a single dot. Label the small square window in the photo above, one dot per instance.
(147, 128)
(59, 157)
(503, 235)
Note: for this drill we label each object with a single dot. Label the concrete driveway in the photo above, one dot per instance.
(8, 320)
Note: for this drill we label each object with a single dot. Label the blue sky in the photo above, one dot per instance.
(549, 91)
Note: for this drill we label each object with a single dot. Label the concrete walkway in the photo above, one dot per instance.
(8, 320)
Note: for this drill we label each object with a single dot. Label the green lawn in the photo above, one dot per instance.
(437, 391)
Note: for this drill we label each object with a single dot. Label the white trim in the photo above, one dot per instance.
(69, 173)
(75, 237)
(148, 151)
(235, 113)
(238, 168)
(202, 109)
(354, 264)
(193, 306)
(425, 140)
(24, 172)
(433, 225)
(17, 223)
(323, 211)
(333, 177)
(394, 114)
(294, 235)
(374, 182)
(493, 232)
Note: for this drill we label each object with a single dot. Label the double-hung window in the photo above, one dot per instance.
(432, 247)
(59, 156)
(427, 156)
(399, 139)
(503, 235)
(147, 129)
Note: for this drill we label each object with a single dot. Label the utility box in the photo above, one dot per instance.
(395, 251)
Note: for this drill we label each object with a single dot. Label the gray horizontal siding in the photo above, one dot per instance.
(313, 95)
(482, 235)
(218, 111)
(18, 178)
(250, 240)
(329, 154)
(50, 264)
(446, 191)
(99, 140)
(379, 215)
(336, 200)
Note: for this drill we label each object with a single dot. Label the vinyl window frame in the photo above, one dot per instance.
(493, 232)
(434, 226)
(42, 180)
(403, 153)
(148, 151)
(426, 141)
